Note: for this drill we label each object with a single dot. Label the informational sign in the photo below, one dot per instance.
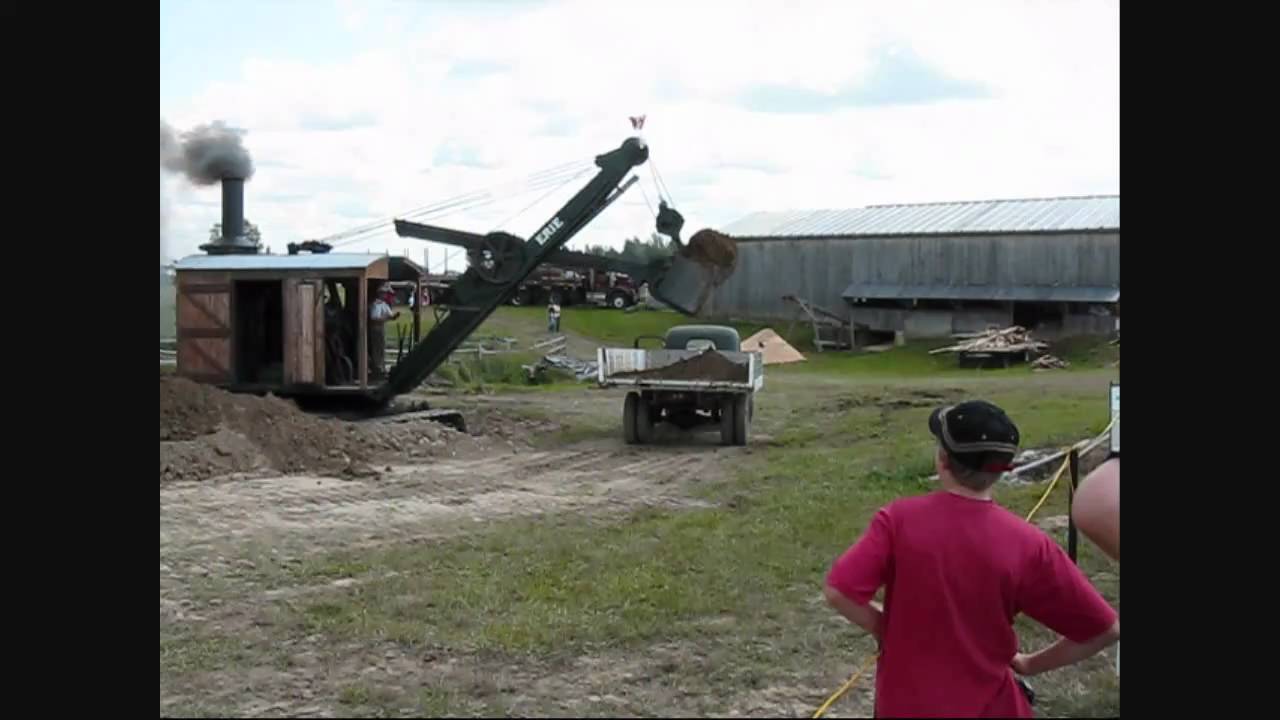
(1115, 418)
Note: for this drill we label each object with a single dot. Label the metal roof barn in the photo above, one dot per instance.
(1034, 250)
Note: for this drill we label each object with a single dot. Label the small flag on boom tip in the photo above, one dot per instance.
(637, 122)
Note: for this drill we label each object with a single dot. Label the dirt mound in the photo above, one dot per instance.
(772, 347)
(710, 365)
(711, 248)
(207, 432)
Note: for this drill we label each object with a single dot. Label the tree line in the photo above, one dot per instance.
(656, 247)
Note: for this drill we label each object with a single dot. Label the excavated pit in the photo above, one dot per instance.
(710, 365)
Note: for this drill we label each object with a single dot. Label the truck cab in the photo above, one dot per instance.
(702, 337)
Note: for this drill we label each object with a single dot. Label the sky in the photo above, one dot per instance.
(356, 112)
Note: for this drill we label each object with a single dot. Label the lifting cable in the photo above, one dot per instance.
(475, 201)
(1083, 445)
(476, 198)
(653, 166)
(548, 194)
(646, 200)
(438, 205)
(571, 178)
(532, 178)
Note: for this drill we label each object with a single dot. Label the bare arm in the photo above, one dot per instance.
(1064, 652)
(1096, 507)
(868, 617)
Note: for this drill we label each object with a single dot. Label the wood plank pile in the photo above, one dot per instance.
(1049, 362)
(1014, 339)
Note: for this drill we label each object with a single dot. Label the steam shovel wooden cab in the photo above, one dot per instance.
(287, 324)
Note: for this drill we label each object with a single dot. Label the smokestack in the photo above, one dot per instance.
(206, 155)
(232, 208)
(233, 240)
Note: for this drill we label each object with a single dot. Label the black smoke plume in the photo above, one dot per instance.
(206, 153)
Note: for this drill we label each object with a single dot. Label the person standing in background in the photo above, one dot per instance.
(553, 316)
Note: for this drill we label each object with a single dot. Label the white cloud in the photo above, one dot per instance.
(515, 88)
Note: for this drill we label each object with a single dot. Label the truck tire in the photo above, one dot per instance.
(741, 418)
(644, 422)
(629, 418)
(727, 420)
(618, 300)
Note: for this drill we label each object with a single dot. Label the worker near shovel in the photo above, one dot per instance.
(957, 569)
(380, 313)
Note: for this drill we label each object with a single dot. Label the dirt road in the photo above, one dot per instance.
(218, 536)
(423, 501)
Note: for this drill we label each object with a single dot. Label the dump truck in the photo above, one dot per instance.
(698, 379)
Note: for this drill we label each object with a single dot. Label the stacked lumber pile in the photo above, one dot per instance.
(1014, 339)
(1049, 362)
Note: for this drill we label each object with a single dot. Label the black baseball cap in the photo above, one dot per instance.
(977, 434)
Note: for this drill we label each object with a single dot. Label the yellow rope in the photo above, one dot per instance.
(857, 674)
(844, 688)
(1052, 483)
(1065, 464)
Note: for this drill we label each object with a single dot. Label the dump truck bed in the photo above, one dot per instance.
(687, 370)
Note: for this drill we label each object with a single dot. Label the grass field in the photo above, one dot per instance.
(588, 328)
(711, 608)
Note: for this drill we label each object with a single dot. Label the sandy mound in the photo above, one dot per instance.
(775, 350)
(207, 432)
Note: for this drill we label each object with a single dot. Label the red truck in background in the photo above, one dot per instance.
(568, 287)
(577, 287)
(584, 279)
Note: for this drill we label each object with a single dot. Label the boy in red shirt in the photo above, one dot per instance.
(957, 569)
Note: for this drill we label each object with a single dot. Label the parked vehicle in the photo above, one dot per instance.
(700, 378)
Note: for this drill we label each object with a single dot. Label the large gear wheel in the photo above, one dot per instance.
(499, 258)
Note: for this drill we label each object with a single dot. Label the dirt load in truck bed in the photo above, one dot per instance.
(710, 365)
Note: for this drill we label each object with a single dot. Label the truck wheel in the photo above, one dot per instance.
(741, 419)
(629, 418)
(726, 421)
(618, 300)
(644, 422)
